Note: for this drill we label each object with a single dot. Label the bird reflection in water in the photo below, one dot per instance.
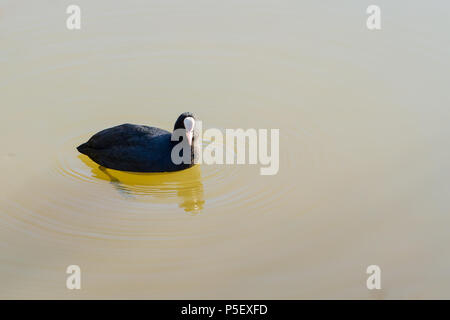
(185, 187)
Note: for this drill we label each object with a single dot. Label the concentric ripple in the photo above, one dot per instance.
(84, 200)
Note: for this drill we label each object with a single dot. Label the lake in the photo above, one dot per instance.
(363, 179)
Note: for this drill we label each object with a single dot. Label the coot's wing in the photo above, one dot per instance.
(145, 155)
(123, 135)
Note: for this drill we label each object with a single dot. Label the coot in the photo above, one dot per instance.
(139, 148)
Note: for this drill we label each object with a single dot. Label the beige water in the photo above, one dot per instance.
(364, 149)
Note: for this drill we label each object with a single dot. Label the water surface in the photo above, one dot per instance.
(364, 157)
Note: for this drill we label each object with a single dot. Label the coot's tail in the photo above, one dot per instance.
(83, 148)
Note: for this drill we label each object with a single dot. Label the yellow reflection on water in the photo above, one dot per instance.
(185, 185)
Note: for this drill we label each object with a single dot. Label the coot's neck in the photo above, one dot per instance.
(193, 150)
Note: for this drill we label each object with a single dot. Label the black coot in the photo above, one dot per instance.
(138, 148)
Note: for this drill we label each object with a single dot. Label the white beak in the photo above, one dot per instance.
(189, 123)
(189, 137)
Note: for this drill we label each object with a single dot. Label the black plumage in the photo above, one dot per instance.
(138, 148)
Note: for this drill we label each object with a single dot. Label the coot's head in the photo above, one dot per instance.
(187, 121)
(190, 124)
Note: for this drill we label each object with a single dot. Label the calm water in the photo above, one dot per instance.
(364, 159)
